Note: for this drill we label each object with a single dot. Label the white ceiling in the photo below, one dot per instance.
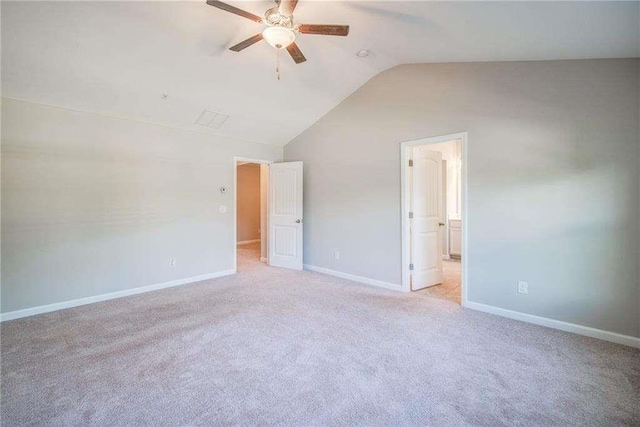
(118, 58)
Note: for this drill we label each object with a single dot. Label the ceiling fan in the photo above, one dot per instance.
(281, 30)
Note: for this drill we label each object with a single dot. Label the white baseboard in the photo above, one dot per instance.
(248, 242)
(354, 278)
(557, 324)
(104, 297)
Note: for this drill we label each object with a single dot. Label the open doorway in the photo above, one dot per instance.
(434, 216)
(275, 238)
(251, 200)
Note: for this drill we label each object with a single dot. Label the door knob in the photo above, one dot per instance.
(298, 221)
(441, 224)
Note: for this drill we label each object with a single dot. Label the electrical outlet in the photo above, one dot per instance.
(172, 262)
(523, 287)
(336, 255)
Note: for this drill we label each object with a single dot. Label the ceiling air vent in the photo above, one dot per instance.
(212, 119)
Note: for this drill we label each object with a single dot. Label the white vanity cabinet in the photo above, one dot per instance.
(455, 237)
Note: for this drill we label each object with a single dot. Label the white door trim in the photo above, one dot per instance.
(404, 197)
(235, 201)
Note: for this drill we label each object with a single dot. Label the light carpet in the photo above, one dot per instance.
(272, 346)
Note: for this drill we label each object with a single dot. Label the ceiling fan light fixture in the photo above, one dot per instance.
(279, 37)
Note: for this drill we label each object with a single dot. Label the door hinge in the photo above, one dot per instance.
(410, 163)
(410, 215)
(411, 266)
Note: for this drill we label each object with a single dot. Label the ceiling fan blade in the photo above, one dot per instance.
(286, 7)
(248, 42)
(326, 30)
(295, 53)
(233, 9)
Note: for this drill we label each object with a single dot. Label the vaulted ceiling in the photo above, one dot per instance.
(119, 58)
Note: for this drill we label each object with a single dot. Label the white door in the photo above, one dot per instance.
(426, 208)
(285, 215)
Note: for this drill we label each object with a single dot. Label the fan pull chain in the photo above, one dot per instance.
(278, 63)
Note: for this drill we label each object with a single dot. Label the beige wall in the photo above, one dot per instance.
(248, 214)
(93, 204)
(552, 181)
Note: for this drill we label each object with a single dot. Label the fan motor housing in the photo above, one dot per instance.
(273, 17)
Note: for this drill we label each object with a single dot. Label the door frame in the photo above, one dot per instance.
(405, 199)
(235, 204)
